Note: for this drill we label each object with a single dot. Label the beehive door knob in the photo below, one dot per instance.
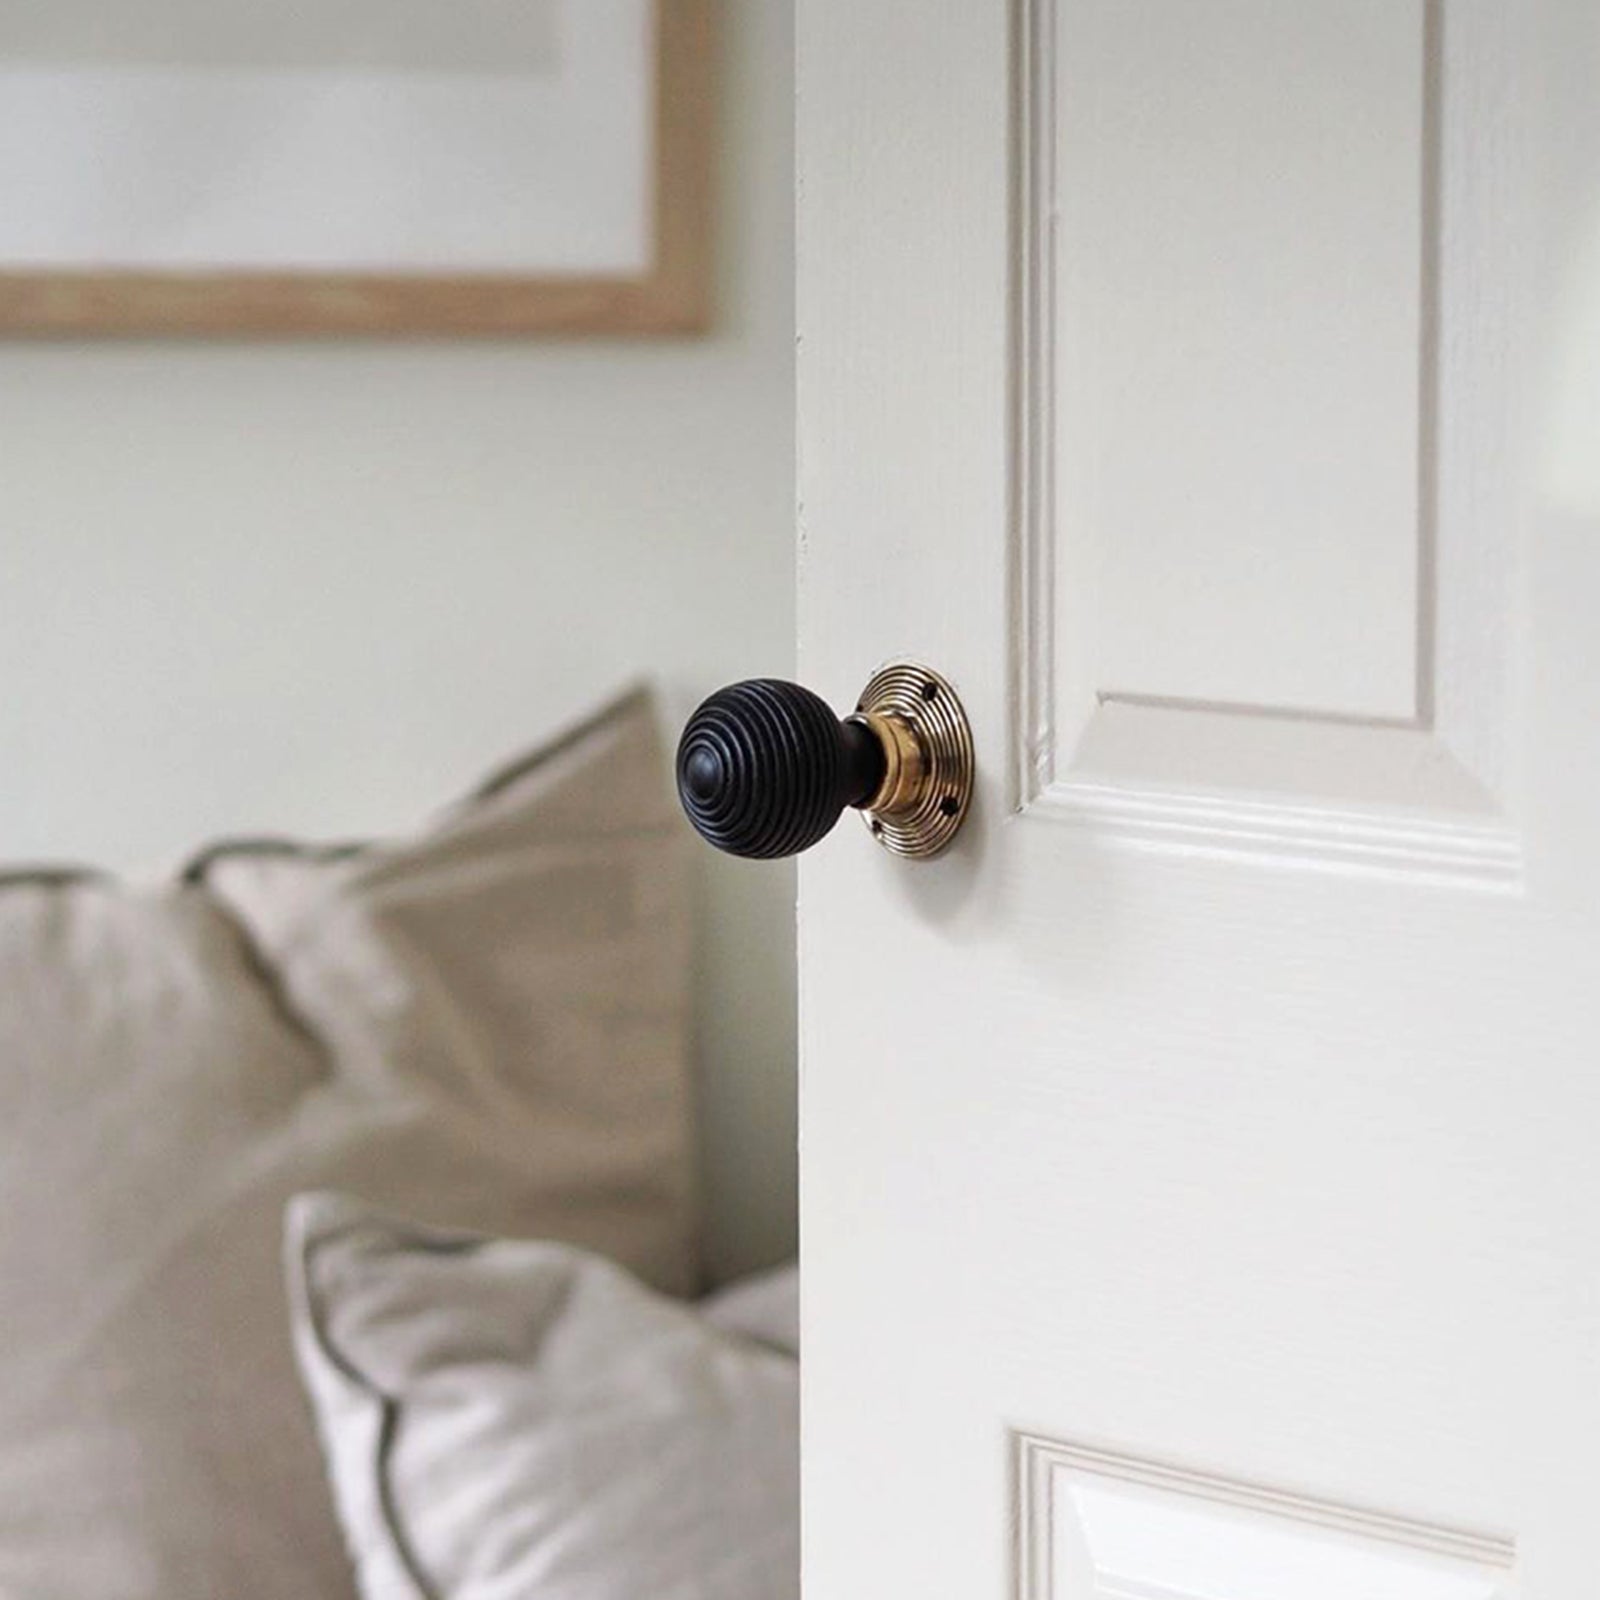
(766, 769)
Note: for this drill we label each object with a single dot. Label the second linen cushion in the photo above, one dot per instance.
(507, 1418)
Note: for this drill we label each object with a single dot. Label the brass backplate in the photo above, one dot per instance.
(928, 746)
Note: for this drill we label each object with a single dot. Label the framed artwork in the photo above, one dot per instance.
(250, 167)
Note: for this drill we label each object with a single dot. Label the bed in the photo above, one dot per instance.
(350, 1242)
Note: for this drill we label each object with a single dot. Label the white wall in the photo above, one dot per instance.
(320, 590)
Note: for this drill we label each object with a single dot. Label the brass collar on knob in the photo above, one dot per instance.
(905, 769)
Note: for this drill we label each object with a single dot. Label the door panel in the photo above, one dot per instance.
(1104, 1526)
(1197, 1180)
(1270, 530)
(1239, 480)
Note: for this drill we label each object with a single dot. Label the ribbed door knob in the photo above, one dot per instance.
(766, 769)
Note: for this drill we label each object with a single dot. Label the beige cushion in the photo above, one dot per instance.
(514, 1420)
(484, 1027)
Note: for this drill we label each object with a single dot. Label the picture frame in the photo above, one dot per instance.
(665, 292)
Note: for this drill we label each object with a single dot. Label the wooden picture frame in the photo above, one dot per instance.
(672, 297)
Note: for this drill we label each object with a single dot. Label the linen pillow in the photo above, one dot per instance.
(485, 1026)
(515, 1419)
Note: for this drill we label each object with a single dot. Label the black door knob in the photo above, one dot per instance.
(766, 769)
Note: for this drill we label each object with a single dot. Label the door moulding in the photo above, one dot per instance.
(1427, 795)
(1098, 1525)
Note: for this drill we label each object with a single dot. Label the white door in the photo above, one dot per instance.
(1199, 1163)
